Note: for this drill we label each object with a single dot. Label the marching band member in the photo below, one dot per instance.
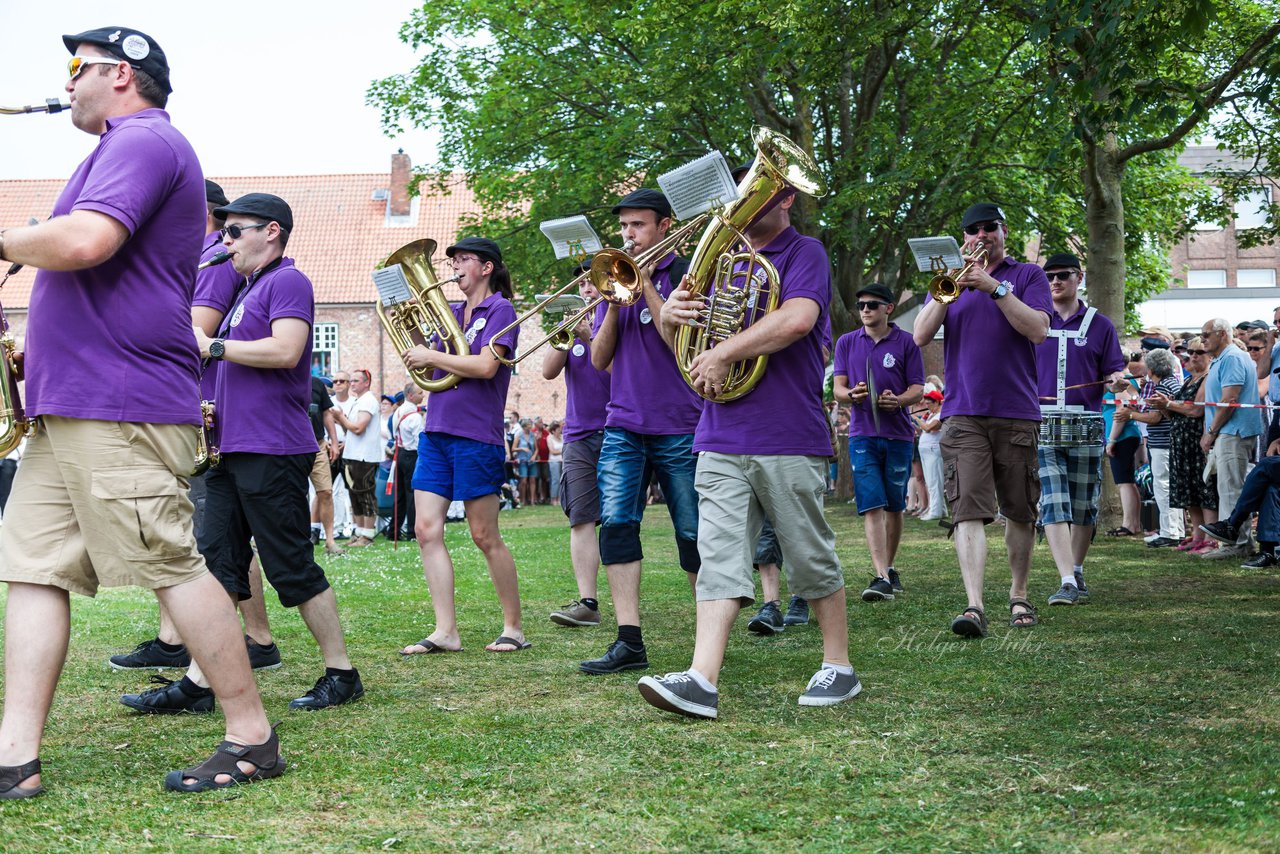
(461, 453)
(764, 454)
(882, 356)
(991, 414)
(124, 232)
(1081, 349)
(648, 428)
(587, 396)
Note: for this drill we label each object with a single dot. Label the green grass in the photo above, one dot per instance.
(1146, 720)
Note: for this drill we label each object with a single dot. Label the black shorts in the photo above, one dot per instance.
(1124, 463)
(263, 496)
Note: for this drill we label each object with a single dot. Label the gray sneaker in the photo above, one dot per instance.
(797, 613)
(768, 620)
(576, 614)
(829, 686)
(1082, 587)
(1225, 552)
(679, 693)
(1068, 594)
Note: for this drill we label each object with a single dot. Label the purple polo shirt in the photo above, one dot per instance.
(991, 369)
(1088, 359)
(649, 396)
(588, 394)
(895, 363)
(784, 413)
(473, 408)
(264, 410)
(215, 288)
(125, 323)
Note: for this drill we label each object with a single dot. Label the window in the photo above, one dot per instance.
(324, 349)
(1209, 225)
(1206, 278)
(1258, 278)
(1251, 210)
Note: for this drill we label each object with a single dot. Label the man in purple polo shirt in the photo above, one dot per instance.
(882, 357)
(101, 496)
(259, 488)
(991, 413)
(584, 418)
(648, 429)
(1084, 344)
(764, 454)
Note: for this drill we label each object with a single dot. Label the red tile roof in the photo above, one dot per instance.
(340, 232)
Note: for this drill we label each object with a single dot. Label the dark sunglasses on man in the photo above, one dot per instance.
(870, 304)
(981, 227)
(237, 231)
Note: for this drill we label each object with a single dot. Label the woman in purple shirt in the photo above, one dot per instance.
(461, 452)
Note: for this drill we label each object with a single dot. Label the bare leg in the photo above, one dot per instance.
(37, 626)
(832, 614)
(584, 552)
(437, 566)
(873, 522)
(1081, 539)
(1061, 541)
(320, 613)
(893, 534)
(1019, 538)
(168, 631)
(324, 510)
(971, 551)
(254, 609)
(624, 587)
(1130, 507)
(770, 582)
(715, 620)
(368, 523)
(482, 517)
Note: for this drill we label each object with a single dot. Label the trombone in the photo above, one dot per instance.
(51, 105)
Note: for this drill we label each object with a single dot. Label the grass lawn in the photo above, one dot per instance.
(1146, 720)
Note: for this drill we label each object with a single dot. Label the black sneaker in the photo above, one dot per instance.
(619, 657)
(330, 691)
(878, 589)
(148, 655)
(1222, 531)
(679, 693)
(1262, 560)
(168, 698)
(315, 537)
(797, 613)
(768, 620)
(1162, 543)
(895, 581)
(262, 657)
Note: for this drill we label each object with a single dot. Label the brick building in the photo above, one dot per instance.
(344, 226)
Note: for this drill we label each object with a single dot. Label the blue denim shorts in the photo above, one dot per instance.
(627, 461)
(458, 469)
(881, 469)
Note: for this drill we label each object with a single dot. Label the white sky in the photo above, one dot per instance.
(260, 88)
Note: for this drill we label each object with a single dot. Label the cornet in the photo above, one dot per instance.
(51, 105)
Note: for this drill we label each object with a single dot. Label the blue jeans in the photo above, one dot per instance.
(881, 468)
(626, 461)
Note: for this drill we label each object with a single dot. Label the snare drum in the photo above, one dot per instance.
(1062, 429)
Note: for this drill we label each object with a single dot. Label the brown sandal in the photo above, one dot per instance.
(1029, 616)
(972, 623)
(12, 775)
(265, 757)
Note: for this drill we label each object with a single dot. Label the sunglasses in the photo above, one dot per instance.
(235, 232)
(1256, 349)
(1198, 352)
(872, 304)
(1064, 275)
(335, 382)
(983, 227)
(77, 64)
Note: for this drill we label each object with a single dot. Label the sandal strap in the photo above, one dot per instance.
(12, 775)
(264, 757)
(1013, 603)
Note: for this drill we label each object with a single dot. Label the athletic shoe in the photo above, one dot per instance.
(895, 581)
(1222, 531)
(1068, 594)
(1161, 543)
(829, 686)
(679, 693)
(330, 691)
(1262, 560)
(262, 657)
(768, 620)
(168, 698)
(576, 614)
(618, 657)
(149, 655)
(797, 612)
(878, 589)
(1083, 596)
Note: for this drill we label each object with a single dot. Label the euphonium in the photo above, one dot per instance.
(739, 287)
(13, 420)
(207, 453)
(427, 316)
(945, 287)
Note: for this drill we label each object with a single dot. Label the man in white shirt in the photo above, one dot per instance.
(361, 455)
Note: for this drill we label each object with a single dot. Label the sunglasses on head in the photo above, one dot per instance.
(235, 232)
(871, 304)
(77, 64)
(1064, 275)
(981, 227)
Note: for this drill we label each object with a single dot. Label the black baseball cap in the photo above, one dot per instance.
(982, 212)
(651, 199)
(878, 290)
(261, 205)
(482, 246)
(136, 48)
(213, 194)
(1062, 260)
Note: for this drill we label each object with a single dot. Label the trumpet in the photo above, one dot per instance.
(51, 105)
(945, 287)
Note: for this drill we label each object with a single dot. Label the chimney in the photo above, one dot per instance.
(401, 173)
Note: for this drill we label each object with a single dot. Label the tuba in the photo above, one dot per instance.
(425, 318)
(736, 285)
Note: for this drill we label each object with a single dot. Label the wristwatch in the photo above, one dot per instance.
(217, 348)
(1002, 290)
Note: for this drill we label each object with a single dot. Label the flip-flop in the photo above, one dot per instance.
(519, 645)
(1122, 531)
(429, 647)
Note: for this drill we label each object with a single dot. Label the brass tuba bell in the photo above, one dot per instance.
(425, 319)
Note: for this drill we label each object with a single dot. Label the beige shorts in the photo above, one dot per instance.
(321, 475)
(102, 503)
(735, 493)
